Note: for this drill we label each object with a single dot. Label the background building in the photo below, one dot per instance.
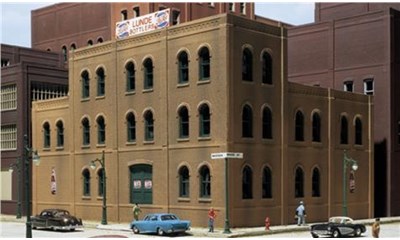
(355, 47)
(160, 103)
(26, 75)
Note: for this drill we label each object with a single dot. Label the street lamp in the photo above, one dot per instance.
(17, 165)
(93, 166)
(36, 159)
(353, 164)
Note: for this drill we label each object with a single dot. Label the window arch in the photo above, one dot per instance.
(247, 122)
(101, 130)
(73, 46)
(299, 127)
(247, 65)
(247, 183)
(204, 64)
(183, 122)
(85, 132)
(130, 77)
(205, 182)
(266, 68)
(344, 138)
(204, 120)
(316, 183)
(316, 127)
(183, 67)
(131, 127)
(60, 134)
(46, 135)
(99, 40)
(299, 183)
(100, 82)
(148, 126)
(90, 42)
(358, 131)
(100, 185)
(267, 183)
(184, 183)
(86, 182)
(267, 123)
(85, 84)
(148, 73)
(64, 53)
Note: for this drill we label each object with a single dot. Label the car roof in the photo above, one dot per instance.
(340, 217)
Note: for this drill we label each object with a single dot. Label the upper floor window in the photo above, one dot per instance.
(86, 182)
(247, 183)
(299, 126)
(131, 127)
(90, 42)
(183, 67)
(130, 77)
(267, 183)
(316, 128)
(316, 192)
(73, 46)
(136, 12)
(348, 86)
(247, 122)
(8, 97)
(149, 126)
(176, 17)
(344, 130)
(204, 119)
(148, 73)
(184, 183)
(267, 123)
(243, 8)
(369, 86)
(124, 15)
(101, 89)
(85, 132)
(266, 68)
(5, 62)
(204, 64)
(85, 84)
(247, 65)
(46, 135)
(64, 53)
(101, 182)
(299, 183)
(99, 40)
(101, 130)
(183, 122)
(8, 138)
(232, 7)
(60, 134)
(358, 132)
(205, 182)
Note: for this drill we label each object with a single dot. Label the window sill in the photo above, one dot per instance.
(148, 142)
(85, 99)
(86, 197)
(317, 144)
(130, 93)
(147, 90)
(46, 149)
(99, 198)
(60, 148)
(100, 97)
(205, 81)
(268, 140)
(182, 85)
(204, 200)
(101, 145)
(85, 146)
(208, 138)
(130, 143)
(183, 140)
(183, 199)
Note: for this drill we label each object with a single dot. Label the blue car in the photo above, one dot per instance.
(160, 223)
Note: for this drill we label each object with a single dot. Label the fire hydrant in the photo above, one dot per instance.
(267, 223)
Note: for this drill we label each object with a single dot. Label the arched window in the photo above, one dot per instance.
(358, 132)
(100, 185)
(205, 122)
(101, 90)
(60, 134)
(205, 182)
(131, 127)
(85, 84)
(316, 183)
(130, 77)
(299, 183)
(247, 65)
(344, 139)
(184, 182)
(148, 73)
(204, 64)
(247, 183)
(90, 42)
(266, 68)
(99, 40)
(183, 68)
(299, 131)
(316, 128)
(148, 126)
(86, 182)
(247, 122)
(64, 53)
(267, 183)
(73, 46)
(46, 135)
(85, 132)
(183, 122)
(101, 130)
(267, 123)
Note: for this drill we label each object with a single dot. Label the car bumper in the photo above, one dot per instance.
(321, 232)
(68, 227)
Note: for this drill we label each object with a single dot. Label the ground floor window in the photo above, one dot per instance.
(141, 184)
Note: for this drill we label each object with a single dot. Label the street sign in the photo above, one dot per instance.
(226, 155)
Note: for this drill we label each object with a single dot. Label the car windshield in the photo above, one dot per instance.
(61, 213)
(168, 217)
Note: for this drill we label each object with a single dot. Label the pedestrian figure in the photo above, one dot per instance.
(136, 210)
(301, 214)
(376, 228)
(211, 218)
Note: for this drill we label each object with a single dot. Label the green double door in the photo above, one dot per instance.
(141, 184)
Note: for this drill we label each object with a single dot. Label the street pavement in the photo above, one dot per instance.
(218, 233)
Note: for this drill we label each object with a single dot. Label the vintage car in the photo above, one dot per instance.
(338, 227)
(56, 219)
(160, 223)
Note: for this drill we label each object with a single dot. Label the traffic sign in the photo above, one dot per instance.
(226, 155)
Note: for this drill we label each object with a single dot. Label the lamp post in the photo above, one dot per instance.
(36, 159)
(353, 164)
(93, 166)
(17, 166)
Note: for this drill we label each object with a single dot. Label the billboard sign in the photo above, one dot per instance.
(142, 24)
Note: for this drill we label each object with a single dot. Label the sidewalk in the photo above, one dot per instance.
(203, 232)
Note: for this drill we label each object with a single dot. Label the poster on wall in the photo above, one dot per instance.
(137, 184)
(148, 184)
(53, 183)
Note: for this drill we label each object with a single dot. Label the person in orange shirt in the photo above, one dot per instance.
(376, 228)
(211, 217)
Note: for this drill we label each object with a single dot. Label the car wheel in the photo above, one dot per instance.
(358, 232)
(135, 230)
(314, 235)
(336, 233)
(160, 231)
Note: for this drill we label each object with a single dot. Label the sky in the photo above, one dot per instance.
(16, 27)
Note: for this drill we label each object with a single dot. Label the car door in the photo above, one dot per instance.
(41, 220)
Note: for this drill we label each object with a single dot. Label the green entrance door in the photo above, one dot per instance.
(141, 184)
